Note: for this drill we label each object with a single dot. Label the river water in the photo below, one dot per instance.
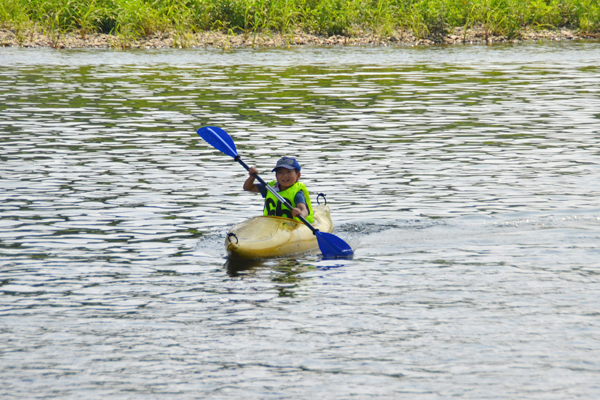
(465, 178)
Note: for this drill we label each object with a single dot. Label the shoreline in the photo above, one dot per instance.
(478, 35)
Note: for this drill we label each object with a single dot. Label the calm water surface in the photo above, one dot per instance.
(465, 178)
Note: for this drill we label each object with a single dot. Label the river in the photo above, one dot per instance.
(466, 178)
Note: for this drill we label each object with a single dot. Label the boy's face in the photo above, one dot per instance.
(286, 177)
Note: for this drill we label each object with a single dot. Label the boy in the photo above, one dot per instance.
(287, 174)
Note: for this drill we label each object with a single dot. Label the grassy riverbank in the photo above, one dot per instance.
(183, 23)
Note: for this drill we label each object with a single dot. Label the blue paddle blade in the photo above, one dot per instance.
(219, 139)
(332, 246)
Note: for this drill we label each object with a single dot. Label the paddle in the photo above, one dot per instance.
(331, 246)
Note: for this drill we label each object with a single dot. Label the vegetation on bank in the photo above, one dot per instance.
(135, 19)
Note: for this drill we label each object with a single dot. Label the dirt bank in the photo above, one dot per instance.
(9, 38)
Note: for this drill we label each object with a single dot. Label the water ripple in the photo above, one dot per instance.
(464, 178)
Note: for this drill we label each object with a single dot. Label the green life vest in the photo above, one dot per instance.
(274, 207)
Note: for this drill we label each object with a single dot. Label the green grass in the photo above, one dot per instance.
(135, 19)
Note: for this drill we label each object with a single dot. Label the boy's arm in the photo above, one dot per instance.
(249, 185)
(301, 208)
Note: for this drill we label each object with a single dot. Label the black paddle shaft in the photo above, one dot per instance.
(270, 189)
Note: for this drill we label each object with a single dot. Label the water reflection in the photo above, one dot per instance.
(288, 269)
(236, 267)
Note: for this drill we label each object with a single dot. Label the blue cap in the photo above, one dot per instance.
(287, 162)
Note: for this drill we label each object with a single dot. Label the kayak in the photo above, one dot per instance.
(269, 237)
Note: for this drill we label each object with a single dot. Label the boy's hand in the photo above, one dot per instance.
(300, 210)
(252, 171)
